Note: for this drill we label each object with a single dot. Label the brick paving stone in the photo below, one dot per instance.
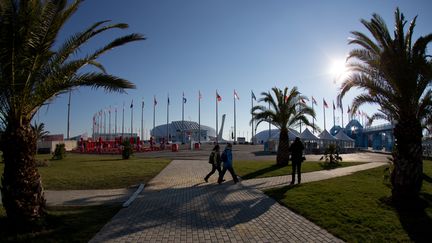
(178, 206)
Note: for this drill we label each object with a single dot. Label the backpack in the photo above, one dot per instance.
(211, 158)
(224, 157)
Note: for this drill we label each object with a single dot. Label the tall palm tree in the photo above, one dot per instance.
(39, 130)
(395, 74)
(33, 71)
(286, 111)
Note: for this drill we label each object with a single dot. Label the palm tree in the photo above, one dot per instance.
(395, 74)
(34, 70)
(39, 130)
(286, 111)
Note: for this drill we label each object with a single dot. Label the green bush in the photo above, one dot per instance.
(59, 152)
(127, 150)
(331, 156)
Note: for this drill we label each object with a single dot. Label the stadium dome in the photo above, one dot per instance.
(183, 131)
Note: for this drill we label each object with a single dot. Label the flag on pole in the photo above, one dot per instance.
(236, 95)
(325, 103)
(168, 101)
(253, 95)
(334, 107)
(131, 106)
(349, 110)
(218, 97)
(199, 94)
(302, 101)
(154, 101)
(142, 104)
(314, 101)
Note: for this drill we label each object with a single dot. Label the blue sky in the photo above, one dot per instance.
(225, 45)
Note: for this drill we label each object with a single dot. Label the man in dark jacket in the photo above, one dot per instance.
(297, 158)
(227, 164)
(215, 161)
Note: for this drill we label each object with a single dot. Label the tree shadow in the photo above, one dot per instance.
(414, 218)
(329, 166)
(264, 153)
(257, 173)
(427, 178)
(217, 205)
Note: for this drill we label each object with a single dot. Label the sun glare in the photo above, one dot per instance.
(338, 70)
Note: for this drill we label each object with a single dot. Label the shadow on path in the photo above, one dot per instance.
(203, 207)
(257, 173)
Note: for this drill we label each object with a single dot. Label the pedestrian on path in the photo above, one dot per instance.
(297, 158)
(215, 161)
(227, 164)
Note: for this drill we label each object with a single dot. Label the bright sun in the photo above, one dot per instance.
(339, 70)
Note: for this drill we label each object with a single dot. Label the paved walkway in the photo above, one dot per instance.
(178, 206)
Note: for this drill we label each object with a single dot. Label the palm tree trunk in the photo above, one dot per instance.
(407, 174)
(282, 157)
(22, 192)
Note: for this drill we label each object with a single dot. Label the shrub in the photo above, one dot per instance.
(59, 152)
(331, 156)
(127, 150)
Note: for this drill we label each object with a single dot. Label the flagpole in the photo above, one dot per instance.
(115, 122)
(68, 117)
(123, 120)
(199, 117)
(142, 120)
(131, 118)
(334, 117)
(235, 134)
(167, 130)
(105, 122)
(269, 121)
(324, 115)
(313, 119)
(342, 115)
(217, 139)
(154, 115)
(252, 121)
(183, 134)
(109, 123)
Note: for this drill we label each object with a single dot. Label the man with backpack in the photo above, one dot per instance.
(227, 164)
(215, 161)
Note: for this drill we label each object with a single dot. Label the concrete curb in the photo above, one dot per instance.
(134, 196)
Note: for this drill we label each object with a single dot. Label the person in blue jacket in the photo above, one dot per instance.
(227, 164)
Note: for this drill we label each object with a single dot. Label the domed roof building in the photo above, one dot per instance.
(184, 132)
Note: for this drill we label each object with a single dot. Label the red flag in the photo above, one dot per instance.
(218, 97)
(325, 103)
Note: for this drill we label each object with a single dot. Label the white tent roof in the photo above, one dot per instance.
(342, 136)
(307, 135)
(325, 135)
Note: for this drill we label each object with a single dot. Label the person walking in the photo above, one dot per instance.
(215, 161)
(297, 158)
(227, 164)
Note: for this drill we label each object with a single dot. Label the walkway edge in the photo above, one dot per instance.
(134, 196)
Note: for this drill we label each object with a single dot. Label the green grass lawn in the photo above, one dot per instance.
(80, 171)
(353, 207)
(64, 224)
(259, 169)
